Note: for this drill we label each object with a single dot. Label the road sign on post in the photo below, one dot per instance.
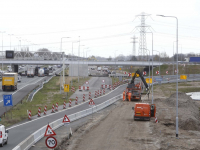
(7, 100)
(66, 87)
(66, 119)
(49, 131)
(51, 142)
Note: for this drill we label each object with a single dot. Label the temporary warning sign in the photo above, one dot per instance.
(103, 81)
(51, 142)
(66, 119)
(86, 82)
(66, 87)
(91, 103)
(49, 131)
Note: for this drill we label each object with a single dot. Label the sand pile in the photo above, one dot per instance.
(188, 111)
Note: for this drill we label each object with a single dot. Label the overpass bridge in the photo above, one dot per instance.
(67, 62)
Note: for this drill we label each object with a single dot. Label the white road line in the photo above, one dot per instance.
(61, 110)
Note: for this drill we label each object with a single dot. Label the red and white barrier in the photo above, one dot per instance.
(76, 102)
(100, 92)
(103, 86)
(83, 88)
(64, 105)
(156, 120)
(45, 110)
(39, 112)
(95, 94)
(29, 115)
(110, 86)
(89, 95)
(70, 102)
(73, 89)
(104, 91)
(83, 97)
(56, 107)
(53, 111)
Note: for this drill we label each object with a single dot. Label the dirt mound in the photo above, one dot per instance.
(188, 111)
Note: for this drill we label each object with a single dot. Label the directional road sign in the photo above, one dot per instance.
(51, 142)
(158, 79)
(7, 100)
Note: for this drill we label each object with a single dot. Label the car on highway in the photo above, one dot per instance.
(113, 72)
(19, 78)
(3, 135)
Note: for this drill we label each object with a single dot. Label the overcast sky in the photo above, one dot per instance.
(105, 27)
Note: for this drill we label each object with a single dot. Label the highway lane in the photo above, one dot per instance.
(19, 132)
(26, 85)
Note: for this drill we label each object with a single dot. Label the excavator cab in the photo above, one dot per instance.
(153, 110)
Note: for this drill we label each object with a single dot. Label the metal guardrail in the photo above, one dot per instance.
(31, 95)
(36, 136)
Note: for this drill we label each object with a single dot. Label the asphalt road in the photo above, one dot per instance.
(19, 132)
(23, 88)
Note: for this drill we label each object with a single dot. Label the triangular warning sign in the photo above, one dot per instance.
(66, 119)
(91, 102)
(49, 131)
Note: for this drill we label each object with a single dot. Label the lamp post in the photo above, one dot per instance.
(73, 60)
(83, 51)
(63, 61)
(2, 48)
(176, 72)
(149, 65)
(159, 61)
(173, 57)
(10, 39)
(152, 64)
(86, 53)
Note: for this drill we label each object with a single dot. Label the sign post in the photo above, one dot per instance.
(66, 122)
(50, 141)
(91, 104)
(66, 89)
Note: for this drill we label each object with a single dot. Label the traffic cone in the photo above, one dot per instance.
(89, 95)
(76, 102)
(29, 115)
(156, 120)
(83, 97)
(64, 105)
(45, 110)
(56, 107)
(53, 109)
(39, 112)
(70, 102)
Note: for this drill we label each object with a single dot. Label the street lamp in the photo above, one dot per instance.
(63, 62)
(73, 60)
(10, 39)
(176, 72)
(149, 65)
(159, 61)
(83, 51)
(2, 47)
(86, 53)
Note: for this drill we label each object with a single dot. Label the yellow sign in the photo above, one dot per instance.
(66, 87)
(183, 77)
(120, 69)
(137, 75)
(148, 81)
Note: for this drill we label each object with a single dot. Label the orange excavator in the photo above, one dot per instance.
(134, 90)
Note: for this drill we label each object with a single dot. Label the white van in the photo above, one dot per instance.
(3, 135)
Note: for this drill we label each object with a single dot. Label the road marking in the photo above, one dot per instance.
(61, 110)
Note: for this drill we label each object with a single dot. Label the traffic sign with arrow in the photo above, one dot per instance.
(7, 100)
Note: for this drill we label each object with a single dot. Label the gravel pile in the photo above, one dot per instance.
(187, 109)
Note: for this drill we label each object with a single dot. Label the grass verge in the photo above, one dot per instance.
(49, 95)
